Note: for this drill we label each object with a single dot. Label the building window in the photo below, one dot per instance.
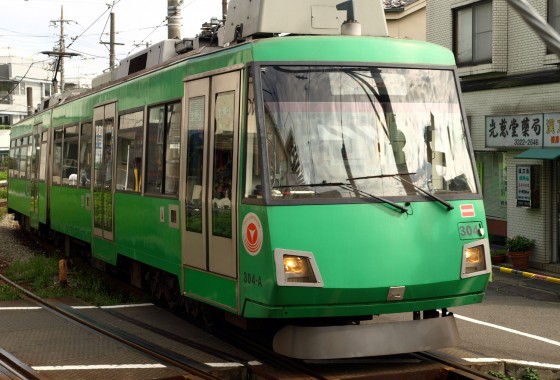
(47, 89)
(472, 32)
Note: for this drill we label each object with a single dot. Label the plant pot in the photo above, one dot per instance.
(497, 259)
(520, 260)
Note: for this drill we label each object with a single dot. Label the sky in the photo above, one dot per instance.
(30, 27)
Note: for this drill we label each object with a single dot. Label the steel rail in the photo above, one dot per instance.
(159, 353)
(460, 369)
(17, 367)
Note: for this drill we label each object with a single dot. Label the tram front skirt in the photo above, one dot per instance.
(376, 339)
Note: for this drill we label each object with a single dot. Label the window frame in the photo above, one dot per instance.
(164, 141)
(475, 46)
(126, 129)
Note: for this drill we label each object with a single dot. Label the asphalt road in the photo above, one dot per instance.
(519, 320)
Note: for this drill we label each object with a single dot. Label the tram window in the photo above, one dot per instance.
(43, 164)
(173, 149)
(57, 157)
(22, 158)
(130, 140)
(13, 159)
(70, 156)
(84, 163)
(31, 158)
(253, 187)
(223, 164)
(164, 145)
(29, 169)
(195, 158)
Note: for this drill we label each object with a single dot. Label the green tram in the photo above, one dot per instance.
(309, 181)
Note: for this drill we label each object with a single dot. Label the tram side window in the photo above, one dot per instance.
(29, 173)
(195, 158)
(57, 157)
(253, 187)
(84, 163)
(70, 156)
(130, 140)
(23, 157)
(164, 145)
(44, 154)
(13, 159)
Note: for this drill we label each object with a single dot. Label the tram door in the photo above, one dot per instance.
(34, 175)
(102, 184)
(210, 188)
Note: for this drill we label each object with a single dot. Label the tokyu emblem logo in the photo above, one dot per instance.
(252, 234)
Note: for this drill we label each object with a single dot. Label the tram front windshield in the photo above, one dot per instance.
(345, 132)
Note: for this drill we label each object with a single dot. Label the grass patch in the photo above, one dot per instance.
(39, 274)
(7, 293)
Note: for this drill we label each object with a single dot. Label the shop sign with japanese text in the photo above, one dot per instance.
(520, 131)
(551, 130)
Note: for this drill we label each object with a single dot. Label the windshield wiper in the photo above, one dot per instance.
(320, 184)
(398, 176)
(349, 187)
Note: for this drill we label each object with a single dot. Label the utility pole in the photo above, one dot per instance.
(173, 19)
(61, 53)
(224, 9)
(112, 43)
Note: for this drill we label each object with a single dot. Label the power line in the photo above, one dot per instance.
(21, 80)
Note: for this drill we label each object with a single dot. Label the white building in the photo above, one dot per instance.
(17, 75)
(511, 90)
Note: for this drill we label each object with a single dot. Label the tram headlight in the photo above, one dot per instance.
(296, 268)
(476, 259)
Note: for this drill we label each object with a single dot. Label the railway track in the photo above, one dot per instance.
(13, 368)
(271, 365)
(192, 368)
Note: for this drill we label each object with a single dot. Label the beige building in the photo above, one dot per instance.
(511, 91)
(406, 19)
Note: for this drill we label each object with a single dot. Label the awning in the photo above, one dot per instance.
(540, 154)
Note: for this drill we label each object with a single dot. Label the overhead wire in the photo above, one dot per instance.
(21, 80)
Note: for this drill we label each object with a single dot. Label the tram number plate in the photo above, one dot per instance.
(252, 279)
(469, 230)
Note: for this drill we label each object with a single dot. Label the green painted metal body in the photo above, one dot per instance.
(361, 249)
(69, 212)
(18, 195)
(141, 235)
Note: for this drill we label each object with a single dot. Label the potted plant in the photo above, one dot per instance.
(519, 249)
(498, 256)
